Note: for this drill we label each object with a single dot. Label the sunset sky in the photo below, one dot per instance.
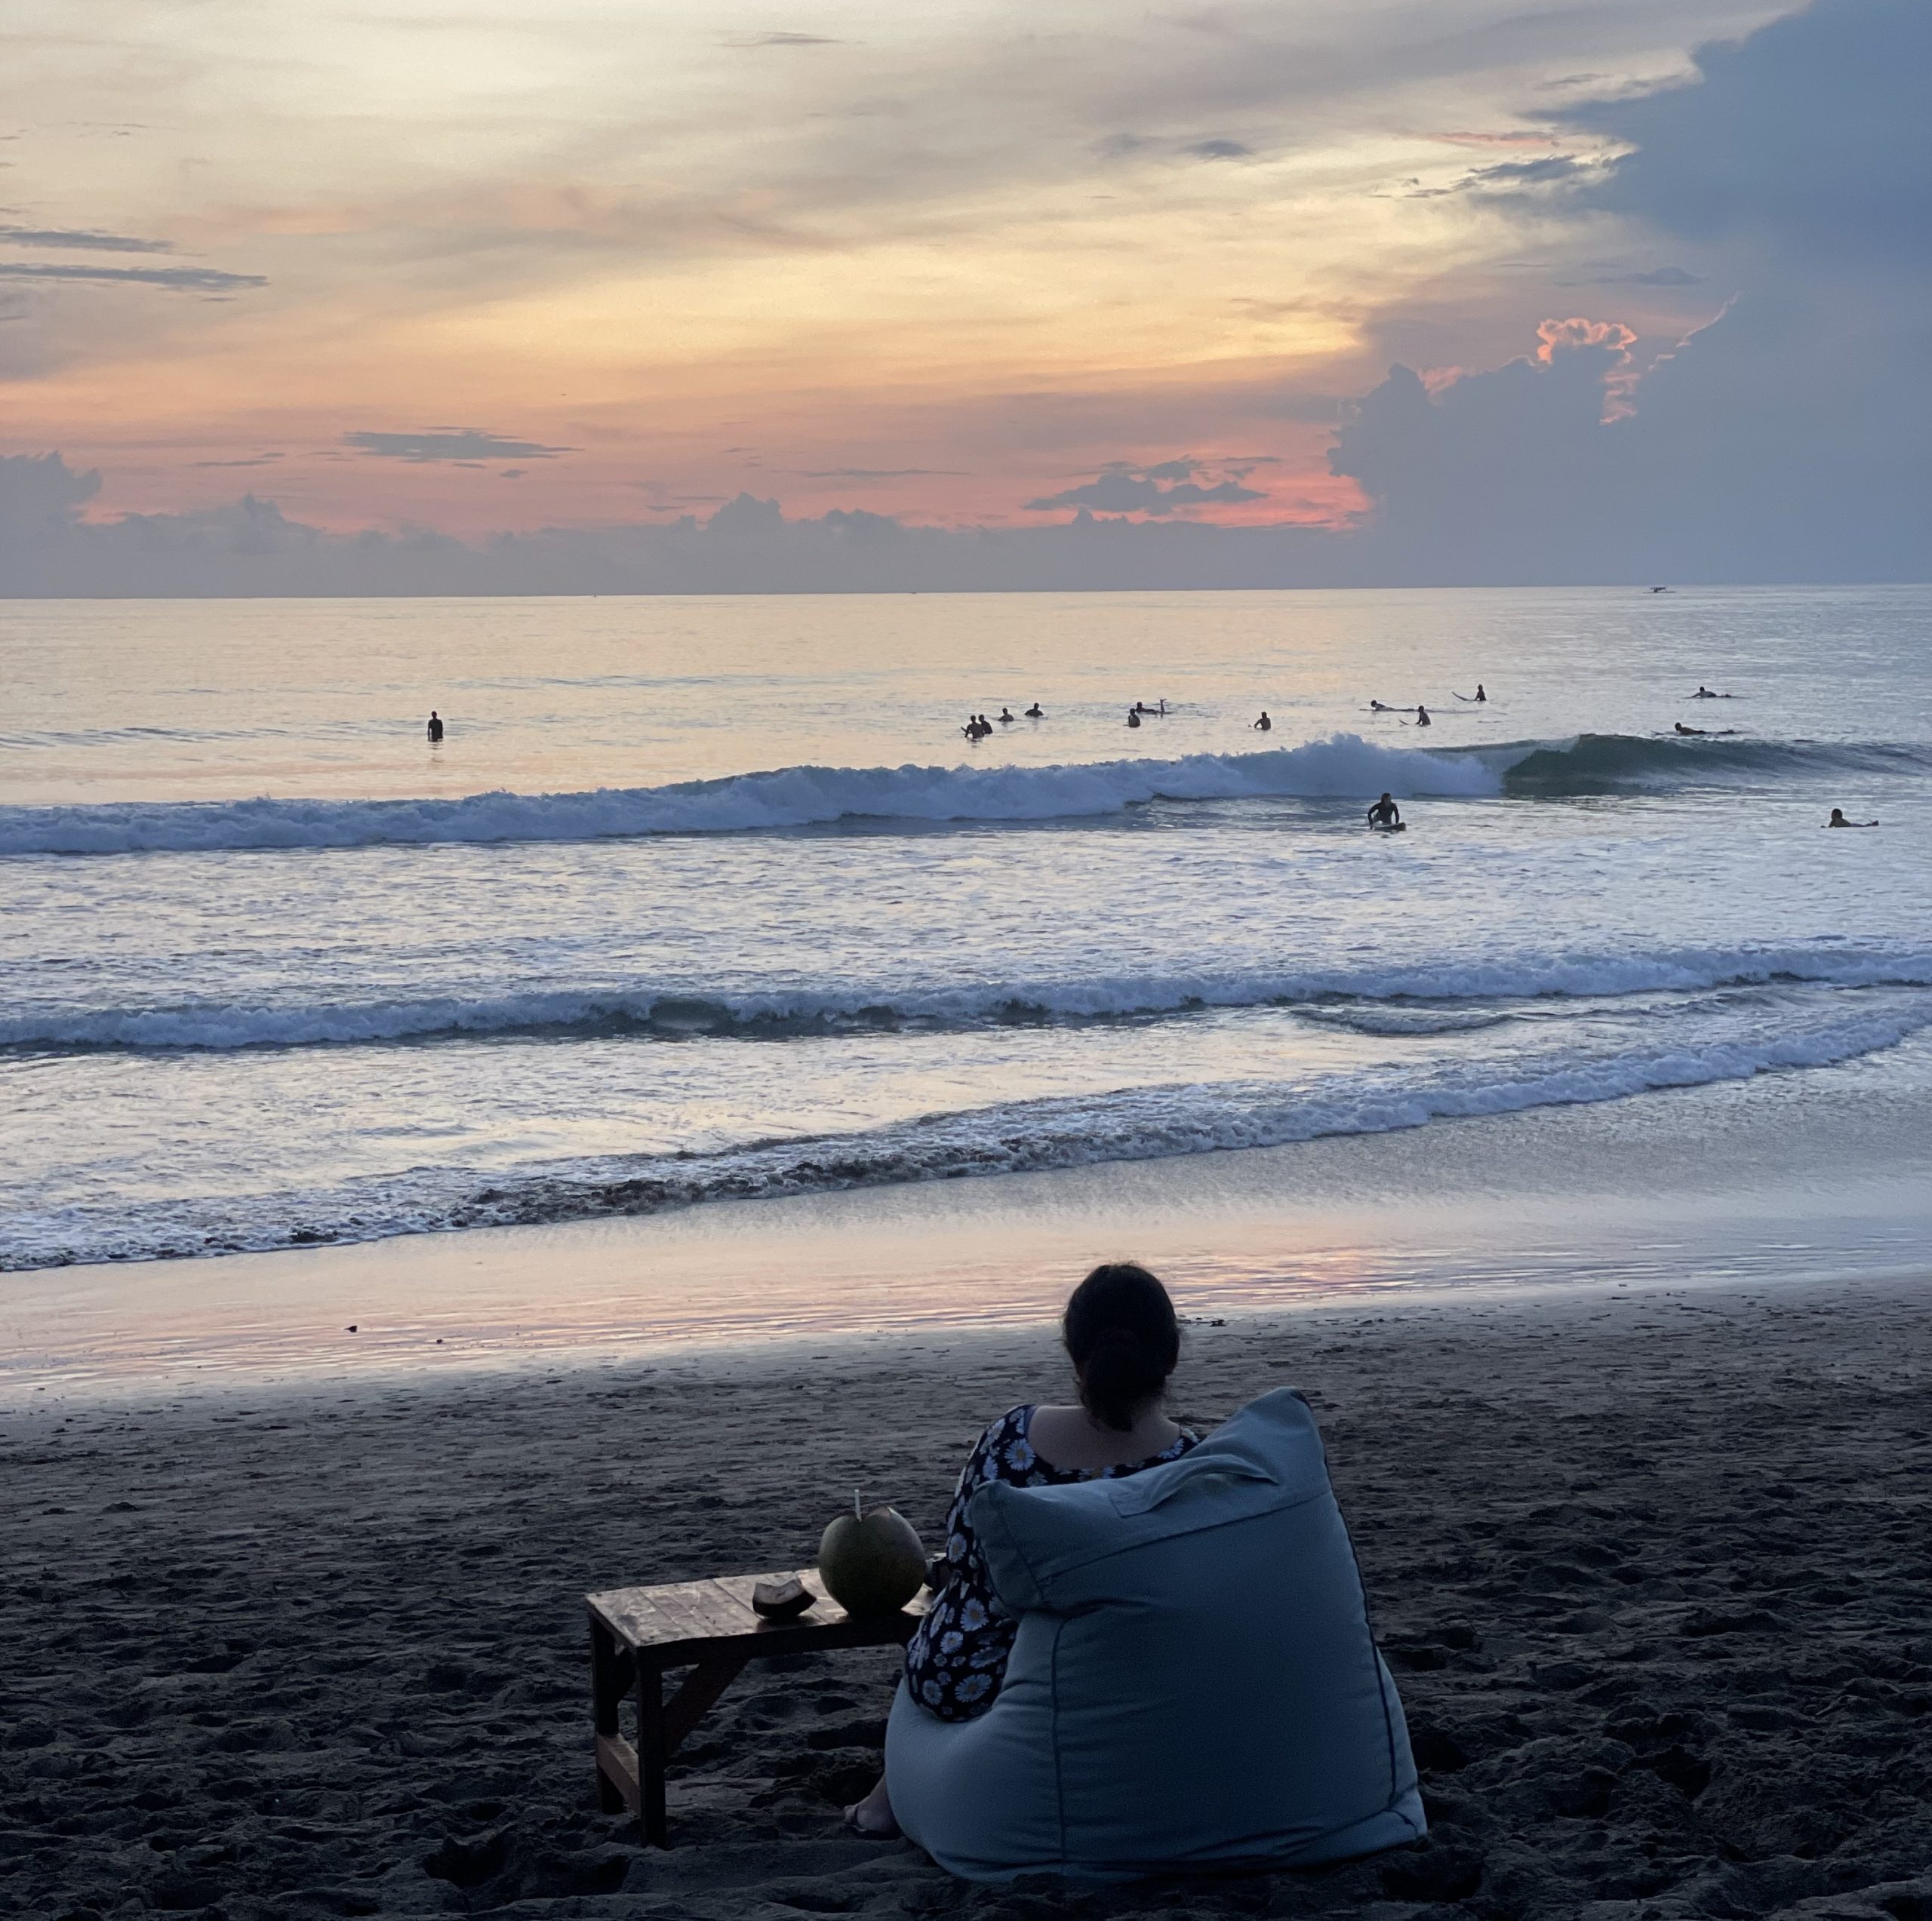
(446, 262)
(946, 259)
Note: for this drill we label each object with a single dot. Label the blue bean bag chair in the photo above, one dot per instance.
(1194, 1686)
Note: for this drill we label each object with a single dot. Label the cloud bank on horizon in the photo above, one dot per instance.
(1074, 305)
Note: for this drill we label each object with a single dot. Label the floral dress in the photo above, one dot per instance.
(956, 1660)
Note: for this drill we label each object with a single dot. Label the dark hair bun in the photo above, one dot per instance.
(1122, 1336)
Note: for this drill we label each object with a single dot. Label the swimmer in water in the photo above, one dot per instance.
(1385, 813)
(1006, 717)
(1133, 717)
(1036, 712)
(435, 727)
(1838, 820)
(1264, 725)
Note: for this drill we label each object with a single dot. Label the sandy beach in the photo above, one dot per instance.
(1651, 1567)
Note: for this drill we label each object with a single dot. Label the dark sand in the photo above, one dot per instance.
(1655, 1575)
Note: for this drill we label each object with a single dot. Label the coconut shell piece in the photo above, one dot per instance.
(781, 1600)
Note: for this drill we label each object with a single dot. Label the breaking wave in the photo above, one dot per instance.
(1434, 995)
(1140, 1124)
(1344, 767)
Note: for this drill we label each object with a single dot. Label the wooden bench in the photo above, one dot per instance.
(637, 1634)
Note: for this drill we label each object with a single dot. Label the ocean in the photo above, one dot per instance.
(708, 898)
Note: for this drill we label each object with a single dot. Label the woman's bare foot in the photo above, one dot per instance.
(872, 1819)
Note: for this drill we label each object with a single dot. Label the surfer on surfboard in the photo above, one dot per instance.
(1385, 817)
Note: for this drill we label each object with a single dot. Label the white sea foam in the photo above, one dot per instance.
(1146, 1123)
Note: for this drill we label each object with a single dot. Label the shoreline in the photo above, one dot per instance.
(1649, 1568)
(1781, 1179)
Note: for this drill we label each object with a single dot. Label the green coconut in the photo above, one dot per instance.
(871, 1560)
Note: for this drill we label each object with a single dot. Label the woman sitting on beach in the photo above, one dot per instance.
(1122, 1337)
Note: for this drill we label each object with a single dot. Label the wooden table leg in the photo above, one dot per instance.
(695, 1699)
(652, 1751)
(610, 1674)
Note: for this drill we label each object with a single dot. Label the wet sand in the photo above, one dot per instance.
(1651, 1568)
(1784, 1177)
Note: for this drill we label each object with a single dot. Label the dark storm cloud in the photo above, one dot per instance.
(1812, 134)
(187, 279)
(456, 446)
(1514, 173)
(1786, 439)
(84, 239)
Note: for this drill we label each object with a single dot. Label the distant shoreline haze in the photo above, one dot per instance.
(251, 549)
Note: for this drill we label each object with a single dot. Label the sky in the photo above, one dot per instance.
(446, 295)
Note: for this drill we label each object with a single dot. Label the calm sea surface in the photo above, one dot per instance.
(707, 898)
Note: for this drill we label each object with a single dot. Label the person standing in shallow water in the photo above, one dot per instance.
(1123, 1338)
(435, 727)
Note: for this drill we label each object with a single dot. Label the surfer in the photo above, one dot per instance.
(1707, 693)
(1380, 707)
(1478, 698)
(1159, 712)
(1264, 725)
(1036, 712)
(1133, 717)
(1385, 815)
(1422, 716)
(435, 727)
(1838, 820)
(1006, 717)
